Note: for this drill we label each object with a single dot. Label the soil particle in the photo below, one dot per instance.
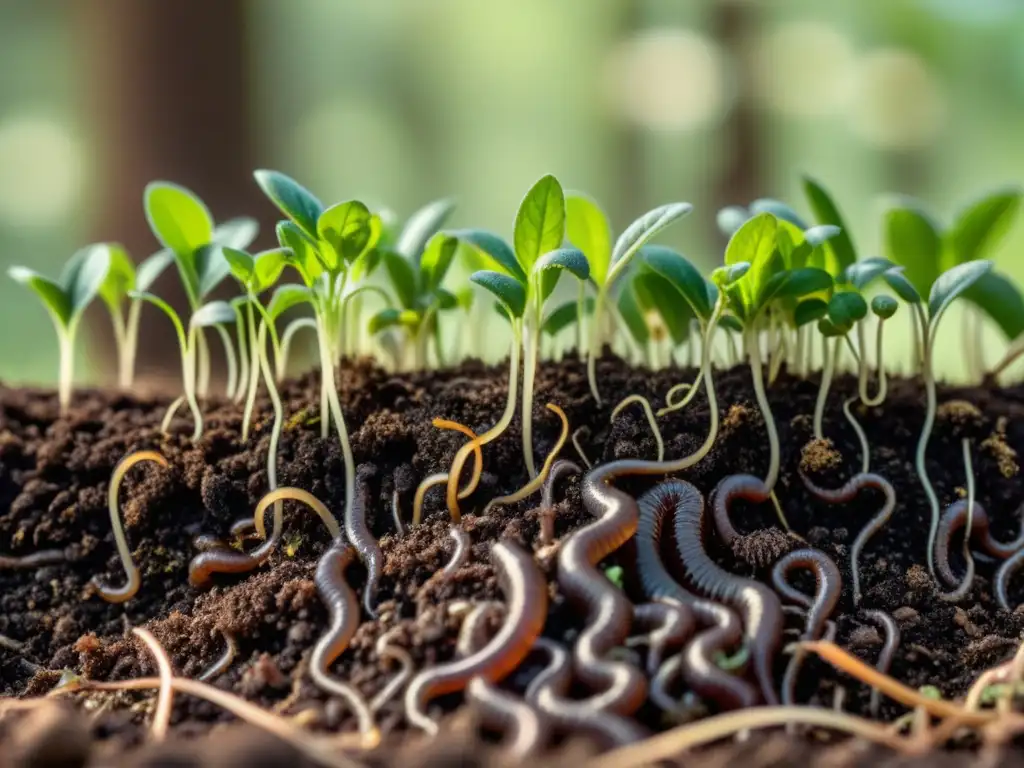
(818, 457)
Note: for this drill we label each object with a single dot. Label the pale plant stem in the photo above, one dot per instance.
(254, 362)
(131, 343)
(594, 349)
(231, 359)
(202, 371)
(66, 346)
(926, 433)
(799, 354)
(275, 400)
(243, 356)
(189, 364)
(286, 343)
(753, 346)
(331, 390)
(827, 372)
(581, 316)
(882, 391)
(916, 360)
(531, 342)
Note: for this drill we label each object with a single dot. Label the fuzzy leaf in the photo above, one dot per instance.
(50, 292)
(826, 212)
(84, 275)
(862, 273)
(268, 267)
(642, 230)
(292, 199)
(495, 247)
(728, 275)
(437, 259)
(565, 315)
(847, 308)
(150, 269)
(979, 227)
(794, 283)
(286, 297)
(903, 287)
(755, 242)
(570, 259)
(951, 284)
(422, 226)
(241, 264)
(681, 275)
(540, 222)
(304, 256)
(178, 218)
(777, 209)
(587, 228)
(402, 277)
(912, 239)
(214, 313)
(731, 218)
(509, 291)
(236, 233)
(346, 228)
(211, 267)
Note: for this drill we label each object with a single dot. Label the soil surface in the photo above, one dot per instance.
(54, 474)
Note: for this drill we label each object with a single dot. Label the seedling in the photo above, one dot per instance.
(66, 299)
(530, 273)
(951, 284)
(588, 230)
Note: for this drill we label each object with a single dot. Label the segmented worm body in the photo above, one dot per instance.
(460, 555)
(697, 662)
(618, 686)
(891, 631)
(669, 625)
(757, 604)
(829, 587)
(747, 487)
(847, 493)
(1001, 582)
(343, 612)
(359, 535)
(560, 469)
(548, 691)
(38, 559)
(525, 590)
(385, 649)
(955, 518)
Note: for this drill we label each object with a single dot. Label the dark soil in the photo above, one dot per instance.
(54, 475)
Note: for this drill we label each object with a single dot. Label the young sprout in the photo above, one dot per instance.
(530, 273)
(134, 580)
(120, 281)
(332, 249)
(535, 484)
(588, 230)
(844, 310)
(651, 420)
(184, 226)
(66, 299)
(949, 285)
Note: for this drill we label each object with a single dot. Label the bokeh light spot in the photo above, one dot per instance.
(42, 171)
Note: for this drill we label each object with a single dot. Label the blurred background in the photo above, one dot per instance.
(401, 101)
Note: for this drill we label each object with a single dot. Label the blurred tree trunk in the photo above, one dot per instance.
(164, 84)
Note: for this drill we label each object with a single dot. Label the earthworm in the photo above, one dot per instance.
(38, 559)
(343, 612)
(206, 541)
(360, 537)
(526, 729)
(827, 592)
(386, 650)
(561, 468)
(1001, 582)
(548, 691)
(891, 629)
(243, 528)
(220, 666)
(131, 586)
(955, 518)
(536, 483)
(670, 624)
(462, 550)
(473, 633)
(757, 604)
(845, 494)
(697, 661)
(525, 590)
(747, 487)
(211, 561)
(396, 513)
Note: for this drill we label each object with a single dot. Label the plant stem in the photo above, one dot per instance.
(926, 433)
(66, 346)
(202, 378)
(799, 356)
(275, 400)
(581, 315)
(294, 327)
(827, 372)
(243, 356)
(232, 361)
(531, 341)
(753, 349)
(188, 364)
(862, 383)
(595, 344)
(330, 390)
(254, 380)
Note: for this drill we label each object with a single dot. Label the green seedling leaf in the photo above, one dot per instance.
(682, 276)
(565, 315)
(437, 258)
(465, 297)
(655, 294)
(385, 318)
(633, 316)
(570, 259)
(614, 574)
(981, 225)
(236, 233)
(286, 297)
(821, 234)
(241, 264)
(777, 209)
(884, 306)
(50, 292)
(903, 287)
(493, 246)
(731, 323)
(587, 228)
(367, 263)
(730, 274)
(422, 226)
(211, 267)
(862, 273)
(214, 313)
(508, 290)
(402, 276)
(731, 218)
(167, 309)
(809, 311)
(828, 329)
(912, 239)
(793, 283)
(84, 275)
(826, 212)
(998, 296)
(304, 257)
(150, 269)
(642, 230)
(754, 243)
(445, 299)
(347, 231)
(951, 284)
(292, 199)
(120, 277)
(268, 267)
(178, 218)
(847, 308)
(540, 222)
